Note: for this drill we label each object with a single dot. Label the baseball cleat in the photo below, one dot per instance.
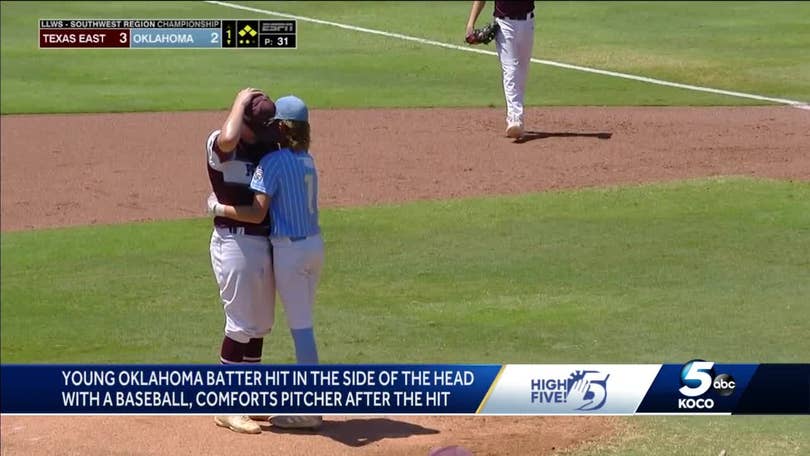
(238, 423)
(514, 130)
(297, 422)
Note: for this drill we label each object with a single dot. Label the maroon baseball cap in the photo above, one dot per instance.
(259, 114)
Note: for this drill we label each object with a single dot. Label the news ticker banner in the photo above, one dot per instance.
(168, 33)
(696, 387)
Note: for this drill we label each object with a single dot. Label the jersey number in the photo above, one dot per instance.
(309, 179)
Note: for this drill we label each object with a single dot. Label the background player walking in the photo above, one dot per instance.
(240, 251)
(286, 184)
(514, 43)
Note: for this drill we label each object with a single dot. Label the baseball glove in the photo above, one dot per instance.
(484, 34)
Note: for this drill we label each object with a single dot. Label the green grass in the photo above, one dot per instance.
(693, 435)
(758, 47)
(663, 273)
(737, 46)
(643, 274)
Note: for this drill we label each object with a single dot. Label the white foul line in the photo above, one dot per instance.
(794, 103)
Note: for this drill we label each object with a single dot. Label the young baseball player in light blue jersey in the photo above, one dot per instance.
(286, 184)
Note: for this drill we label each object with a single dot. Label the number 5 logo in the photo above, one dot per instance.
(597, 391)
(695, 378)
(590, 391)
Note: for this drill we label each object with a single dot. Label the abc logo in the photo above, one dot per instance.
(724, 384)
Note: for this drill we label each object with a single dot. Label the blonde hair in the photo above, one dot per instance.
(297, 134)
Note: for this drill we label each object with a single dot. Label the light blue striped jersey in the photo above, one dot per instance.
(289, 178)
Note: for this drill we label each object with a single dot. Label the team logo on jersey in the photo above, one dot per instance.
(257, 175)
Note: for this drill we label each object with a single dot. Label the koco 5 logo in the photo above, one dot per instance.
(697, 377)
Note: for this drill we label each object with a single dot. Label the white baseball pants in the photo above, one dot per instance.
(297, 267)
(514, 43)
(242, 267)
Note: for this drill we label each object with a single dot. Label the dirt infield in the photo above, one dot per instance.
(356, 436)
(85, 169)
(95, 169)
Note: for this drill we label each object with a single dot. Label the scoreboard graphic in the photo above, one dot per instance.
(167, 33)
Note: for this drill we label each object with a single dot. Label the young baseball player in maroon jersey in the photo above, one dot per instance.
(286, 186)
(514, 43)
(240, 251)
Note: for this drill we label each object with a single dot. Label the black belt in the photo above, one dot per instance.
(248, 230)
(298, 238)
(519, 18)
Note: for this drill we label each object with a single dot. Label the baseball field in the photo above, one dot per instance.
(638, 222)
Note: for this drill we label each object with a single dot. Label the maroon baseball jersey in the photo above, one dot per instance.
(513, 9)
(230, 179)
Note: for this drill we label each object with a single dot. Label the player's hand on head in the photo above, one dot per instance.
(247, 94)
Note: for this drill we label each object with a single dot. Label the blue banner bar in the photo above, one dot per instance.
(699, 387)
(692, 388)
(243, 389)
(695, 387)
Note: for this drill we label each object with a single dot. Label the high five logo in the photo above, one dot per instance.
(582, 390)
(697, 378)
